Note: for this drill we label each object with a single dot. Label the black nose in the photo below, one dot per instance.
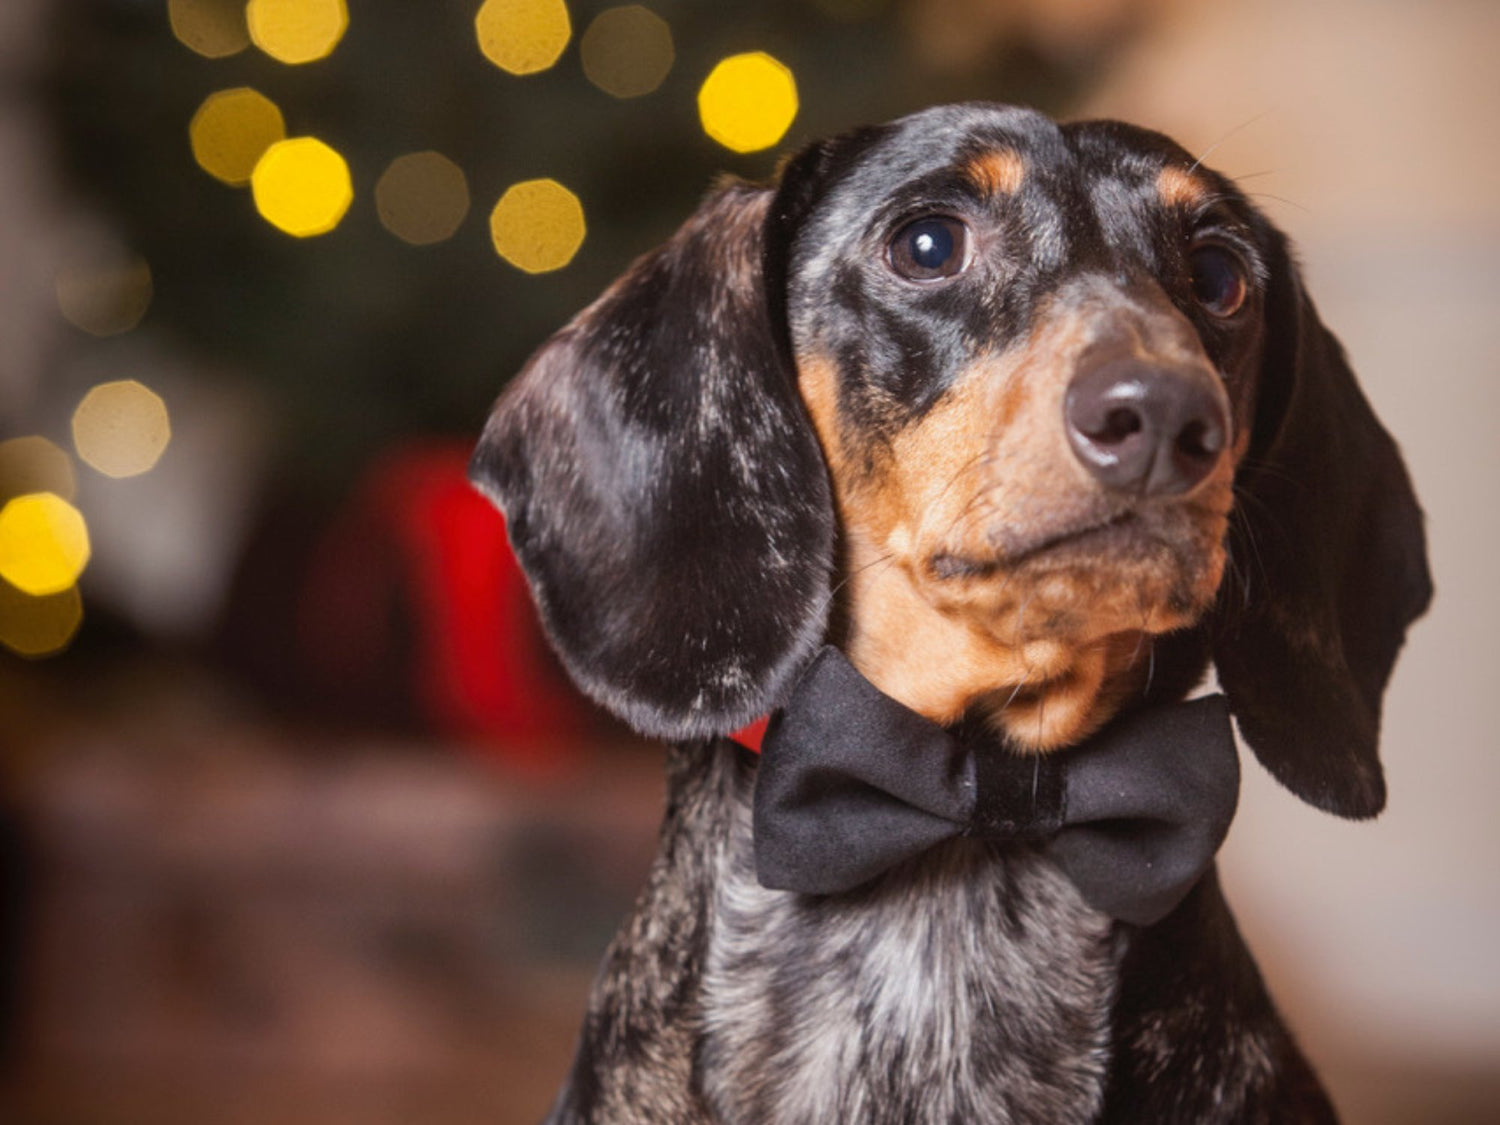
(1144, 429)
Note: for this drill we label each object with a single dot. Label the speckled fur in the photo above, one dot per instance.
(969, 987)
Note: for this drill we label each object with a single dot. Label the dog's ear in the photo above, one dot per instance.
(662, 485)
(1330, 564)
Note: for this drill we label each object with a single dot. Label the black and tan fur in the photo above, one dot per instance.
(763, 438)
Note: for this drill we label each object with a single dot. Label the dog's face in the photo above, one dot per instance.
(1027, 353)
(1020, 396)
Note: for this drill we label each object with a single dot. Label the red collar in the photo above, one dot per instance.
(749, 736)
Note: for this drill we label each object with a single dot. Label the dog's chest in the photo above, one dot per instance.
(966, 987)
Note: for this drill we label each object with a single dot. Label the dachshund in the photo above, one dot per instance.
(1032, 422)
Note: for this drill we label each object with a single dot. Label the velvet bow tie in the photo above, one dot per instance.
(852, 783)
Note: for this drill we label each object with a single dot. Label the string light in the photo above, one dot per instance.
(231, 132)
(537, 226)
(302, 187)
(523, 36)
(297, 31)
(105, 297)
(34, 464)
(627, 51)
(38, 626)
(422, 197)
(214, 29)
(44, 543)
(748, 102)
(121, 428)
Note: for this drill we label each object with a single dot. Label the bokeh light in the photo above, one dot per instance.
(748, 102)
(213, 28)
(34, 464)
(104, 295)
(297, 31)
(38, 626)
(44, 543)
(121, 428)
(537, 226)
(302, 187)
(231, 132)
(627, 51)
(422, 197)
(523, 36)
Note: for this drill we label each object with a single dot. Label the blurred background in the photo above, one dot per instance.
(298, 820)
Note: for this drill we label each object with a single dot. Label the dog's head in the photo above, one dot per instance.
(1028, 418)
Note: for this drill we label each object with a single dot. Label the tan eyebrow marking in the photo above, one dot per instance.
(999, 171)
(1180, 188)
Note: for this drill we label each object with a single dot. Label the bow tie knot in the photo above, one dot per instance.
(852, 783)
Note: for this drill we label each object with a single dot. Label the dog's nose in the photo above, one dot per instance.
(1146, 429)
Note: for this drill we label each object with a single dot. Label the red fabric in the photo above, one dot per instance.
(418, 538)
(750, 736)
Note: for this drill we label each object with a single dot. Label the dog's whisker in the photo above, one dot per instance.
(1025, 679)
(1280, 199)
(976, 506)
(1248, 530)
(1266, 467)
(1140, 639)
(1243, 125)
(838, 587)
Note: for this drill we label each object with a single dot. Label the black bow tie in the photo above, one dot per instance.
(852, 783)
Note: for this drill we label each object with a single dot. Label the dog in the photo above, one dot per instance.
(1032, 422)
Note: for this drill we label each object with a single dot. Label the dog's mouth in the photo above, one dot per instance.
(1144, 568)
(1124, 535)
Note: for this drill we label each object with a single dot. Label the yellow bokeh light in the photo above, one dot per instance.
(34, 464)
(627, 51)
(538, 226)
(38, 626)
(44, 544)
(213, 28)
(121, 428)
(422, 197)
(105, 296)
(297, 31)
(523, 36)
(302, 187)
(748, 102)
(231, 132)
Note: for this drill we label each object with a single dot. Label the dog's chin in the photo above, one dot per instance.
(1077, 611)
(1046, 637)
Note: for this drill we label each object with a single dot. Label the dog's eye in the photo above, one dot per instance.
(1219, 282)
(930, 248)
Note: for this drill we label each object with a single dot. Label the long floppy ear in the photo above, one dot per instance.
(662, 485)
(1331, 561)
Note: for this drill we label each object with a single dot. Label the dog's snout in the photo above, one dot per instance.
(1146, 429)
